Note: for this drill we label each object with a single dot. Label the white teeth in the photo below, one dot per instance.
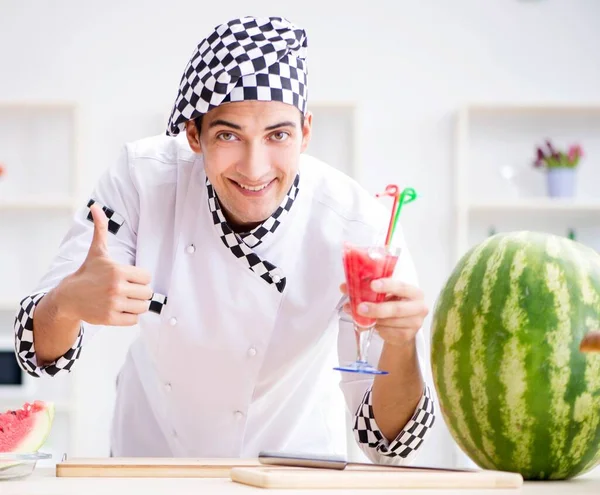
(259, 188)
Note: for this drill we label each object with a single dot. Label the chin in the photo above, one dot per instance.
(258, 217)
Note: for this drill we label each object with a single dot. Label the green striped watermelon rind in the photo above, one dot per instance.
(514, 389)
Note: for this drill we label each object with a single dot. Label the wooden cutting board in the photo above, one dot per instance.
(149, 467)
(371, 477)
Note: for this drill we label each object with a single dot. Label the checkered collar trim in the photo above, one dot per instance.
(241, 244)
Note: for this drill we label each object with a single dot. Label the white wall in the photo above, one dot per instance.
(408, 64)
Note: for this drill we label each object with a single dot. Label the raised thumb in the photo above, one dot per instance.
(99, 244)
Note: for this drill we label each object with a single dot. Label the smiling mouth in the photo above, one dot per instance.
(252, 189)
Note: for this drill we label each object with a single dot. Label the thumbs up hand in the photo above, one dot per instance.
(103, 292)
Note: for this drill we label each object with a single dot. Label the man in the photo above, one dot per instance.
(223, 241)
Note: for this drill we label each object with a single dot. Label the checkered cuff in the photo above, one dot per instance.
(410, 438)
(25, 350)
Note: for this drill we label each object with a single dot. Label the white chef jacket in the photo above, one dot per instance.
(230, 364)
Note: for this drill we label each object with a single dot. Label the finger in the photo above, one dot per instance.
(124, 319)
(393, 309)
(133, 306)
(137, 291)
(136, 275)
(397, 288)
(410, 323)
(99, 245)
(396, 335)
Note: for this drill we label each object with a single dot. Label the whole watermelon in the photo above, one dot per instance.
(514, 389)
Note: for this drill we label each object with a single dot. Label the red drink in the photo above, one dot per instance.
(362, 265)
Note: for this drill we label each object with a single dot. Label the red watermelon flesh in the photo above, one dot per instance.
(26, 429)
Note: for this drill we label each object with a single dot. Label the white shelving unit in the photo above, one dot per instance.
(496, 187)
(39, 148)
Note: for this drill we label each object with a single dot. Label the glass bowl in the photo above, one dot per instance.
(17, 465)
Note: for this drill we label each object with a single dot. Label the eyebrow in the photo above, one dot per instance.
(285, 123)
(225, 123)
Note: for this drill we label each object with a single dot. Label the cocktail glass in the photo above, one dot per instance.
(363, 265)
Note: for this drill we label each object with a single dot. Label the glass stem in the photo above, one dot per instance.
(363, 341)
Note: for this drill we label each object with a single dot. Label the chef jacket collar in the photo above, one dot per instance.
(241, 244)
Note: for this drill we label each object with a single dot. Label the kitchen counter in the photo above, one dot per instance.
(43, 481)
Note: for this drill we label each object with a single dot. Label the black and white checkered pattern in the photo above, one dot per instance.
(410, 438)
(24, 348)
(115, 221)
(251, 58)
(240, 244)
(157, 303)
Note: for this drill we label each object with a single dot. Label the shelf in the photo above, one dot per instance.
(37, 203)
(537, 204)
(532, 108)
(8, 305)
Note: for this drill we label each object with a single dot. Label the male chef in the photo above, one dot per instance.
(222, 240)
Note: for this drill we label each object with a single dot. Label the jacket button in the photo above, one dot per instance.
(252, 351)
(168, 387)
(238, 415)
(190, 249)
(173, 321)
(276, 279)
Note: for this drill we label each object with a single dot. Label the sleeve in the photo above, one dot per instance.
(117, 193)
(405, 446)
(357, 387)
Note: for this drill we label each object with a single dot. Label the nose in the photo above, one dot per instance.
(254, 165)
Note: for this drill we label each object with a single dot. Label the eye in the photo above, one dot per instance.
(226, 136)
(280, 136)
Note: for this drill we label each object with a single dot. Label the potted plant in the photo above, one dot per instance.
(560, 168)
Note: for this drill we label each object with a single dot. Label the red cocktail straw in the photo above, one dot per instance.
(390, 190)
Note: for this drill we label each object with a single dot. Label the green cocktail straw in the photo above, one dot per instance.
(405, 197)
(408, 195)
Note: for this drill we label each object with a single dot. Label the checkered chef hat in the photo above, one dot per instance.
(251, 58)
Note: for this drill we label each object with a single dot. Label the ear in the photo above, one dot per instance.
(306, 131)
(193, 136)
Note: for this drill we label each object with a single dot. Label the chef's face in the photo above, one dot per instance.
(251, 152)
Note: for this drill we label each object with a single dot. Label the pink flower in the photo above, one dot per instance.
(575, 152)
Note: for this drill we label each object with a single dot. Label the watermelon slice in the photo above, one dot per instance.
(26, 429)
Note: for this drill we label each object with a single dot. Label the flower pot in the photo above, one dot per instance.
(561, 182)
